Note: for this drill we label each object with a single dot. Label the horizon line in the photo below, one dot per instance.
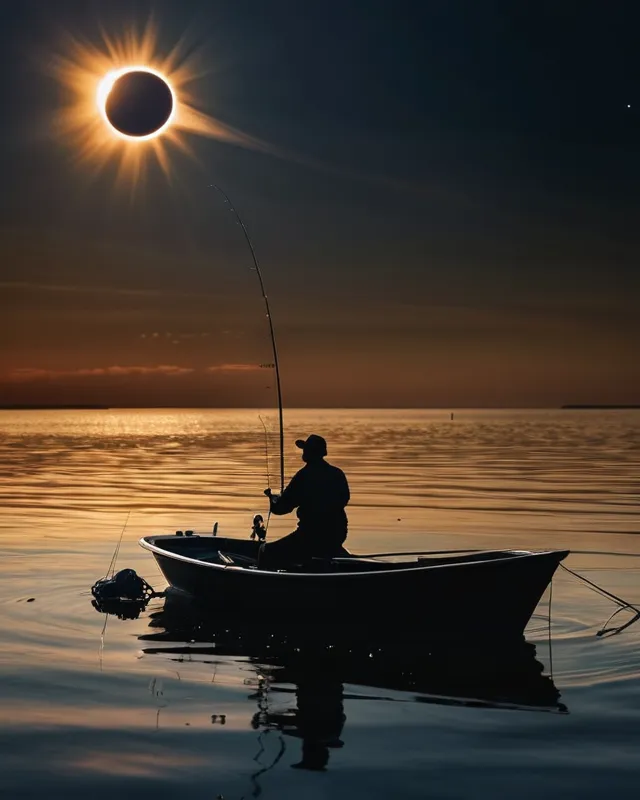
(97, 407)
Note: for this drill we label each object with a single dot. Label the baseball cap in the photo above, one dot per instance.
(313, 444)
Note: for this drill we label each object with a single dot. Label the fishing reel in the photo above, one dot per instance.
(258, 529)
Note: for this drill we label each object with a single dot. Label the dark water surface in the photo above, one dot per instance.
(154, 708)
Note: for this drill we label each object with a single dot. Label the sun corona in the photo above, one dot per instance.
(123, 92)
(137, 103)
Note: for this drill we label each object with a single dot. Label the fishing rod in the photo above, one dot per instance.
(274, 348)
(266, 448)
(266, 453)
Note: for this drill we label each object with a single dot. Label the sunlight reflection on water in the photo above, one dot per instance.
(419, 481)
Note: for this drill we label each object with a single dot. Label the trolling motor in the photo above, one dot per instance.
(124, 585)
(124, 594)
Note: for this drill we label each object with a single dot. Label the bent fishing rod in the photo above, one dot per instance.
(274, 348)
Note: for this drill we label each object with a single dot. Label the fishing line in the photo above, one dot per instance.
(101, 647)
(114, 558)
(274, 348)
(110, 572)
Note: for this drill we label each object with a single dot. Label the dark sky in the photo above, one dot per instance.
(448, 214)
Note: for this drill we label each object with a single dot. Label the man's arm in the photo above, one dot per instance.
(289, 499)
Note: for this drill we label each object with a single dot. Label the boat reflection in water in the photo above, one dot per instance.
(320, 663)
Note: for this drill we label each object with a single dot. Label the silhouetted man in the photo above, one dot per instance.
(320, 492)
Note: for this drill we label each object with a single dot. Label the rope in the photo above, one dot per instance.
(594, 586)
(609, 596)
(549, 630)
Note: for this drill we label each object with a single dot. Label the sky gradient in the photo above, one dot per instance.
(442, 195)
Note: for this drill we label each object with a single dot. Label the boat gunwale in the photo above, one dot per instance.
(517, 555)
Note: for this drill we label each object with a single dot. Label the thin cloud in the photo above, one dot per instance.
(31, 374)
(176, 336)
(234, 368)
(29, 286)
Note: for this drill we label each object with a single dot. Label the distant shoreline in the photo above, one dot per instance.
(447, 409)
(601, 407)
(54, 408)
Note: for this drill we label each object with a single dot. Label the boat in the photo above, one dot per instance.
(441, 595)
(487, 594)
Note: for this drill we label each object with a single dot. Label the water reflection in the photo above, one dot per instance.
(122, 609)
(533, 474)
(317, 718)
(303, 677)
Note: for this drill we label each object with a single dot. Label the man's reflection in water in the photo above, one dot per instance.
(506, 675)
(318, 719)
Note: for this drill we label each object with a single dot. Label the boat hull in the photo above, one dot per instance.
(484, 598)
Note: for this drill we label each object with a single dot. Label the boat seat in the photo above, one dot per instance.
(314, 565)
(352, 564)
(212, 558)
(236, 560)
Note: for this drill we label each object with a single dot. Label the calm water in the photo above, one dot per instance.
(167, 714)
